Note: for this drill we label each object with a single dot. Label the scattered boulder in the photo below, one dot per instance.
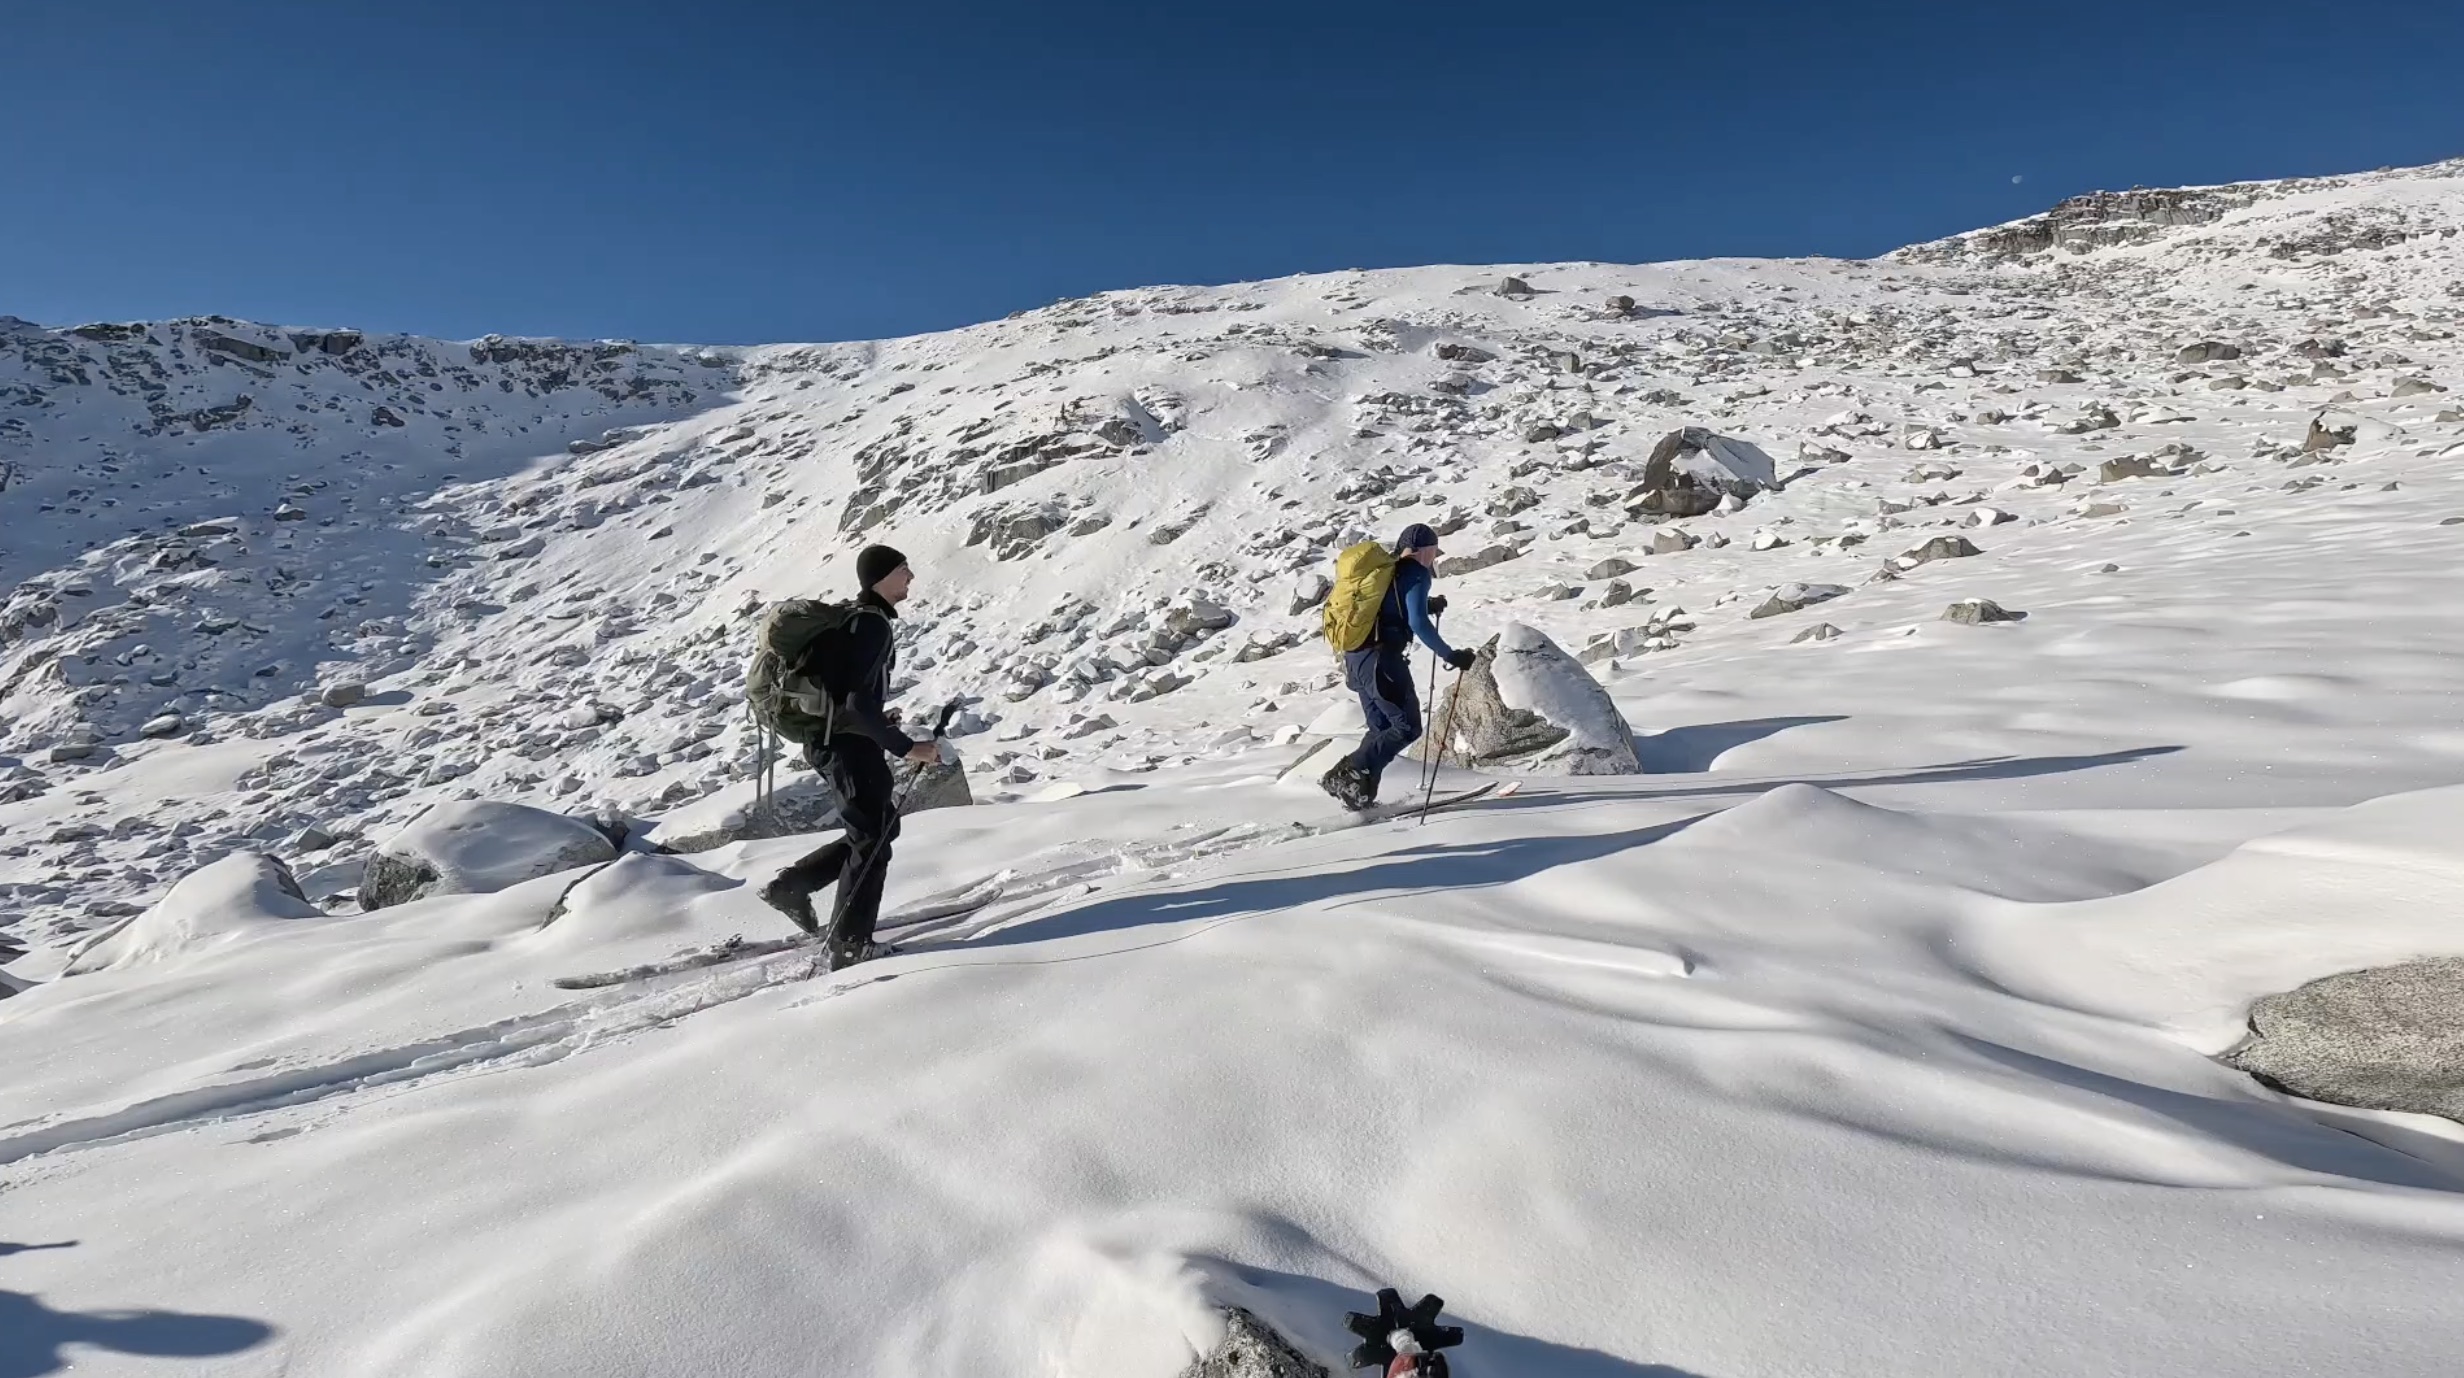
(343, 694)
(1514, 287)
(1670, 540)
(1976, 612)
(2206, 352)
(2414, 387)
(1251, 1349)
(941, 785)
(1610, 568)
(2384, 1038)
(1191, 615)
(2057, 375)
(1512, 500)
(2127, 467)
(1692, 469)
(2321, 439)
(385, 416)
(1618, 593)
(1789, 598)
(1939, 548)
(166, 724)
(1620, 305)
(1464, 354)
(477, 847)
(290, 512)
(1478, 560)
(1527, 705)
(1820, 631)
(802, 803)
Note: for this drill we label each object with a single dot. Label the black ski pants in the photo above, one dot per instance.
(858, 860)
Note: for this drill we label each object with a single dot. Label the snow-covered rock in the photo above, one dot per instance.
(220, 901)
(800, 803)
(942, 785)
(1250, 1348)
(1789, 598)
(1693, 468)
(477, 847)
(1527, 705)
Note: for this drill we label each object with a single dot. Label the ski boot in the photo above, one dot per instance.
(1348, 786)
(796, 904)
(842, 958)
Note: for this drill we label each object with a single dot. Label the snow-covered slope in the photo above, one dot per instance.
(1851, 1038)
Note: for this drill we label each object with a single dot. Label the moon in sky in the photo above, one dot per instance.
(2015, 178)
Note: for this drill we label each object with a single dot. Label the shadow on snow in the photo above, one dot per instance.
(33, 1336)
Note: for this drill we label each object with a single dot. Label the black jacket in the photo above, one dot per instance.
(857, 674)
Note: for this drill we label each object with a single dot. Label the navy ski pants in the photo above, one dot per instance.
(1382, 676)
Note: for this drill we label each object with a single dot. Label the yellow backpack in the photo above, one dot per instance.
(1363, 574)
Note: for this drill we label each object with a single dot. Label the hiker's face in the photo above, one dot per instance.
(893, 585)
(1427, 556)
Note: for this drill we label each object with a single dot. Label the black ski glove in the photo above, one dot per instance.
(1463, 660)
(1437, 605)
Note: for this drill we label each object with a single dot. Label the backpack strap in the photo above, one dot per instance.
(829, 720)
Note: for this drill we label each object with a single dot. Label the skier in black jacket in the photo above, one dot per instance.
(855, 759)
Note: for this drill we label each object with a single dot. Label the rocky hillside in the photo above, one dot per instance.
(284, 587)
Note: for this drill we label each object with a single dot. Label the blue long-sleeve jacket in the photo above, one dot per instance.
(1405, 613)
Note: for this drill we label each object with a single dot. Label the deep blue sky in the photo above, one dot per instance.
(723, 171)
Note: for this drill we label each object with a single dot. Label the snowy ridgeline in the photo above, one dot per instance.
(290, 587)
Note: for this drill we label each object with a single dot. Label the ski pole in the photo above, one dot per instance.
(1428, 763)
(1444, 734)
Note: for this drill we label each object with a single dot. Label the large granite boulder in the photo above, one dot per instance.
(2383, 1038)
(1526, 705)
(1692, 469)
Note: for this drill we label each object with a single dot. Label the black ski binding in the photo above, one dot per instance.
(1415, 1326)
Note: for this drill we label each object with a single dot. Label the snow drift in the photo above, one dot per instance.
(234, 896)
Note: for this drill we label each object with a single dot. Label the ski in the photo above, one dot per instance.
(736, 949)
(1412, 808)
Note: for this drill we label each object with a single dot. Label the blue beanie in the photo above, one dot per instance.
(1414, 537)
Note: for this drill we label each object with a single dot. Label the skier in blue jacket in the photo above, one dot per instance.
(1381, 671)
